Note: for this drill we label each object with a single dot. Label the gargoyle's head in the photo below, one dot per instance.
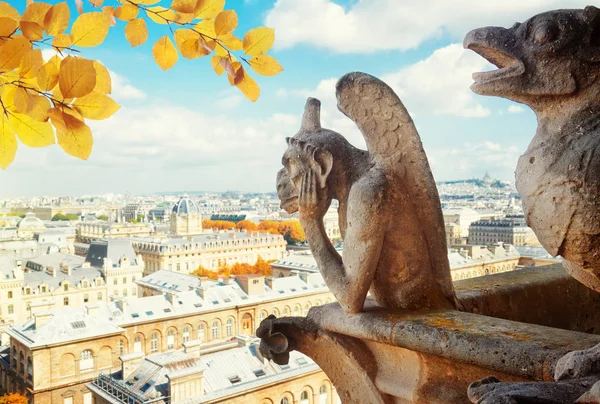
(312, 148)
(550, 55)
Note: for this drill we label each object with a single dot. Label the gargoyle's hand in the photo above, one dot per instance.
(312, 202)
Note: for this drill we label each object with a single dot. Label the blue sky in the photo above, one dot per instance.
(186, 129)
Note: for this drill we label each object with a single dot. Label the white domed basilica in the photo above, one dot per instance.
(185, 218)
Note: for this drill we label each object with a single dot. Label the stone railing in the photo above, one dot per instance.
(514, 326)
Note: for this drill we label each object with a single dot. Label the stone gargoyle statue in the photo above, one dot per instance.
(389, 210)
(551, 63)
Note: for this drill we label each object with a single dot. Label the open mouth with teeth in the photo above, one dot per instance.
(508, 66)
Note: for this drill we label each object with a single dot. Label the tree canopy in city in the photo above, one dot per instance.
(291, 230)
(261, 267)
(13, 398)
(47, 101)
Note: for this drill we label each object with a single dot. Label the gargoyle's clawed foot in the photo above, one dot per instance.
(578, 364)
(273, 344)
(492, 391)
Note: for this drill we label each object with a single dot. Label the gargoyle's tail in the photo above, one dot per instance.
(393, 140)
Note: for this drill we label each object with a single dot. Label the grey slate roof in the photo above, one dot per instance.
(113, 249)
(55, 259)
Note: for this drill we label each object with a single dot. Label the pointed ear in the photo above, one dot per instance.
(324, 161)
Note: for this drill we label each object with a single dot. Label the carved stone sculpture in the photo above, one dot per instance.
(389, 211)
(550, 63)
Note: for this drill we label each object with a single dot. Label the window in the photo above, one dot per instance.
(66, 301)
(284, 400)
(68, 400)
(234, 379)
(121, 347)
(137, 344)
(258, 372)
(170, 339)
(11, 309)
(186, 334)
(215, 330)
(201, 332)
(10, 294)
(133, 291)
(229, 327)
(133, 279)
(86, 361)
(262, 316)
(115, 281)
(304, 397)
(178, 267)
(99, 296)
(124, 292)
(28, 291)
(87, 397)
(22, 362)
(154, 343)
(29, 369)
(86, 298)
(43, 289)
(66, 287)
(323, 395)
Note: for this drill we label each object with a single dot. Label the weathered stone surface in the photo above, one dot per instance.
(389, 208)
(550, 64)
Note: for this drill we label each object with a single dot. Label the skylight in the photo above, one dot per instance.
(149, 313)
(301, 361)
(259, 372)
(78, 324)
(197, 304)
(167, 310)
(234, 379)
(135, 315)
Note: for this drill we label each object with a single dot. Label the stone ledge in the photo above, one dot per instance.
(526, 351)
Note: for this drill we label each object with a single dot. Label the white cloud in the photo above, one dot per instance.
(437, 85)
(369, 26)
(122, 90)
(515, 109)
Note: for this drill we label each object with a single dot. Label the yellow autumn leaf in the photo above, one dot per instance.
(57, 19)
(184, 34)
(126, 12)
(47, 76)
(56, 94)
(231, 68)
(110, 12)
(145, 2)
(31, 132)
(161, 15)
(259, 40)
(6, 10)
(136, 32)
(32, 30)
(12, 51)
(265, 65)
(184, 6)
(7, 26)
(215, 62)
(31, 63)
(206, 9)
(8, 97)
(73, 135)
(226, 22)
(184, 18)
(62, 41)
(95, 106)
(36, 12)
(231, 42)
(22, 100)
(247, 85)
(103, 80)
(164, 53)
(206, 27)
(77, 77)
(8, 141)
(39, 108)
(90, 29)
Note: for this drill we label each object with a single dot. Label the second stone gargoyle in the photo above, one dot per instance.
(389, 210)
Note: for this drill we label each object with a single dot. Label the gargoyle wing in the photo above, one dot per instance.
(394, 143)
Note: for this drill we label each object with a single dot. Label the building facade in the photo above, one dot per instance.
(210, 250)
(185, 218)
(60, 280)
(51, 357)
(86, 232)
(510, 230)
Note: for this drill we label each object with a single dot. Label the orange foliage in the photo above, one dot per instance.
(217, 224)
(13, 398)
(246, 225)
(261, 267)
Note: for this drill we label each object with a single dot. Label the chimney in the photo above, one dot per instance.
(52, 271)
(230, 280)
(220, 279)
(269, 280)
(130, 363)
(192, 348)
(201, 292)
(92, 309)
(186, 383)
(243, 340)
(42, 318)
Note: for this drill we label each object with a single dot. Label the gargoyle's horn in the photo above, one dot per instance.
(311, 120)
